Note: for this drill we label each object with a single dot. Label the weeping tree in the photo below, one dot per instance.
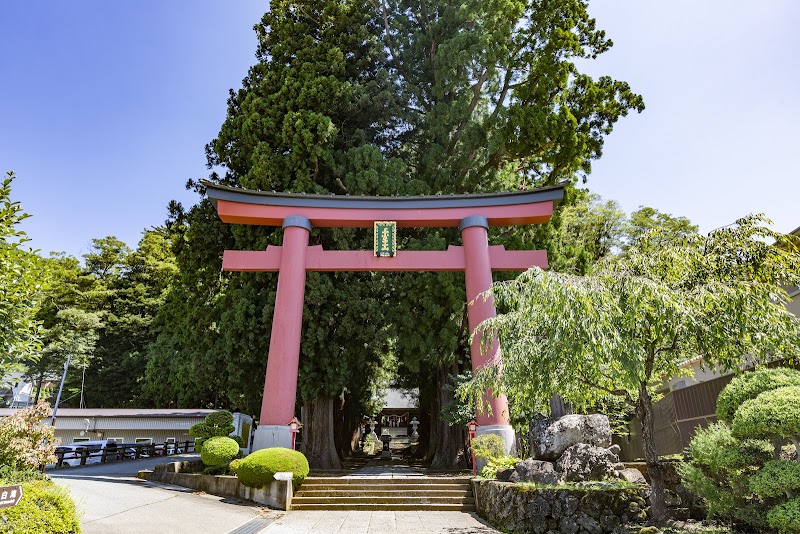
(628, 324)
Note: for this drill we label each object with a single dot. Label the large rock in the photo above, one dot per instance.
(583, 462)
(634, 476)
(548, 439)
(535, 471)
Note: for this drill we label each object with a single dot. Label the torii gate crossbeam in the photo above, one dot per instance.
(298, 214)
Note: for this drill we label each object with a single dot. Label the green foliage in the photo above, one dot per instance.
(233, 467)
(635, 318)
(44, 509)
(10, 475)
(750, 385)
(218, 451)
(719, 469)
(785, 517)
(219, 420)
(772, 414)
(26, 442)
(499, 462)
(776, 478)
(216, 424)
(258, 469)
(488, 446)
(20, 284)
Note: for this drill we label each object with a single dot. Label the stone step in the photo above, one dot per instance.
(386, 487)
(365, 492)
(400, 499)
(388, 507)
(368, 480)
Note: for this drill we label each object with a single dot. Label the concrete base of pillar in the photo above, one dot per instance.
(504, 431)
(268, 436)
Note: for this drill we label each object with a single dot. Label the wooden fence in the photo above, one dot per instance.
(118, 452)
(677, 416)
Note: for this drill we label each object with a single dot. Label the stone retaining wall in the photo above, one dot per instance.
(277, 494)
(516, 508)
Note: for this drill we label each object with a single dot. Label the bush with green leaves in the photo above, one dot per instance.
(233, 467)
(776, 479)
(773, 414)
(216, 424)
(748, 386)
(258, 469)
(44, 508)
(719, 470)
(495, 464)
(785, 517)
(218, 451)
(488, 446)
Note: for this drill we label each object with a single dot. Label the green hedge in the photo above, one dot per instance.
(44, 509)
(748, 386)
(776, 478)
(219, 451)
(786, 517)
(258, 469)
(488, 446)
(773, 414)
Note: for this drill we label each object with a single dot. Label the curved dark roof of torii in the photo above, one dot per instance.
(217, 192)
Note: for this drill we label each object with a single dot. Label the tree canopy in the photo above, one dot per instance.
(377, 98)
(20, 284)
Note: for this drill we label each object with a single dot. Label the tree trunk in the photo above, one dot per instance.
(318, 442)
(655, 470)
(447, 441)
(38, 389)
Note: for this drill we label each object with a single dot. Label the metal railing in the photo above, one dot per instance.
(120, 452)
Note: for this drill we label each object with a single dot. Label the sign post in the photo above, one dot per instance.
(385, 238)
(10, 496)
(294, 428)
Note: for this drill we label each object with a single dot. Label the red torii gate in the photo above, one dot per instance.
(299, 213)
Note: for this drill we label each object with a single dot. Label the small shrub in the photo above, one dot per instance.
(259, 468)
(233, 467)
(44, 508)
(26, 443)
(488, 446)
(773, 414)
(776, 478)
(216, 424)
(785, 517)
(219, 451)
(495, 464)
(719, 469)
(748, 386)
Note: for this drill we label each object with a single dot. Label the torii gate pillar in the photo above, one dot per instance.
(478, 277)
(283, 360)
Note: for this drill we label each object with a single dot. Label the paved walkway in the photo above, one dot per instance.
(114, 501)
(301, 522)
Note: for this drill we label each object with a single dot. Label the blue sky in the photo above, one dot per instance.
(105, 108)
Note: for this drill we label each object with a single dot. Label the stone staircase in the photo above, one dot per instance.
(385, 493)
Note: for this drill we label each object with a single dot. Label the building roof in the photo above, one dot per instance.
(122, 412)
(401, 398)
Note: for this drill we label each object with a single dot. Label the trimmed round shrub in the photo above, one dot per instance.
(219, 451)
(44, 507)
(233, 467)
(786, 517)
(773, 414)
(259, 468)
(222, 418)
(776, 478)
(488, 446)
(748, 386)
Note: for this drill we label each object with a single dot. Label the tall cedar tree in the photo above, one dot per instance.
(393, 98)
